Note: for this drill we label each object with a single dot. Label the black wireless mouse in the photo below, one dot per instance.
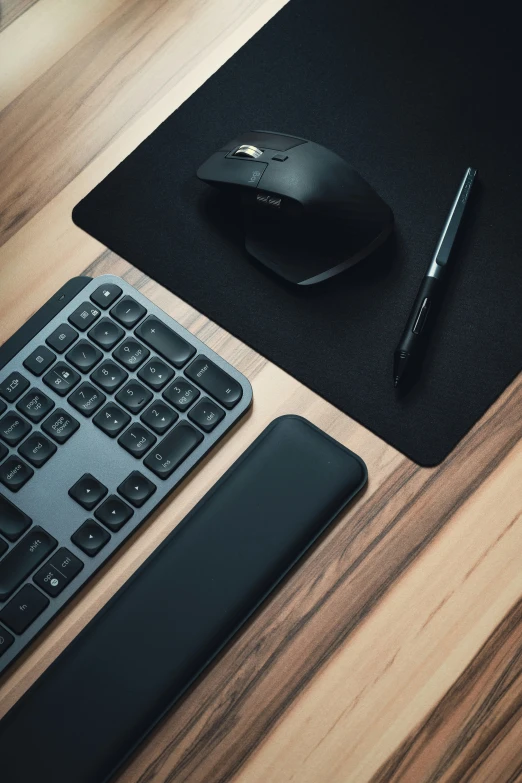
(307, 214)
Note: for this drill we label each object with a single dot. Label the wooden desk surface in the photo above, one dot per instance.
(395, 651)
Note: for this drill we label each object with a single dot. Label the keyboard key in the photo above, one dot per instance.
(58, 572)
(128, 312)
(13, 386)
(136, 489)
(156, 374)
(106, 334)
(84, 316)
(84, 356)
(88, 491)
(22, 560)
(3, 547)
(181, 394)
(13, 428)
(215, 381)
(134, 396)
(90, 537)
(3, 407)
(105, 295)
(206, 414)
(87, 399)
(23, 609)
(165, 341)
(113, 512)
(3, 451)
(14, 473)
(35, 405)
(62, 338)
(13, 521)
(39, 360)
(37, 449)
(112, 420)
(109, 376)
(173, 449)
(137, 440)
(159, 417)
(131, 353)
(61, 378)
(60, 425)
(6, 640)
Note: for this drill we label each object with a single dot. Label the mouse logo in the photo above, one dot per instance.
(255, 177)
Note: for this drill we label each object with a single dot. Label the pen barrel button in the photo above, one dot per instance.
(422, 314)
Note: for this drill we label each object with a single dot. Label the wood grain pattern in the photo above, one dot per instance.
(393, 651)
(11, 10)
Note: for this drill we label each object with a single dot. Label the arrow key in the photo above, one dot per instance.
(113, 512)
(90, 537)
(156, 374)
(88, 491)
(136, 489)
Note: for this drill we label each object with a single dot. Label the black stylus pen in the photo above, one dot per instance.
(413, 342)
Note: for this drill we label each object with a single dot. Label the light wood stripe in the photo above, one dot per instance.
(475, 732)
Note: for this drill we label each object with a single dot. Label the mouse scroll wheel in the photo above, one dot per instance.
(248, 151)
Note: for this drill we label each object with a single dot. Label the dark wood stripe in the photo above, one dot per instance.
(475, 732)
(231, 710)
(12, 9)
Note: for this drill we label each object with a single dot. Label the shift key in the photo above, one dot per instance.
(21, 561)
(215, 381)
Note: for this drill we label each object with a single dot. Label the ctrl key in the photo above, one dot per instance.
(58, 572)
(23, 609)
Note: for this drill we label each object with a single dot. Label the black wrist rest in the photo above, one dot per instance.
(114, 682)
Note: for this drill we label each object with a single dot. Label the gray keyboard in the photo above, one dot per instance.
(106, 403)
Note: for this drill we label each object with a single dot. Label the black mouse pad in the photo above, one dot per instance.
(410, 94)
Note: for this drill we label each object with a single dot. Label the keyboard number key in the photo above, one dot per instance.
(62, 378)
(181, 394)
(137, 440)
(134, 396)
(173, 449)
(13, 386)
(159, 417)
(109, 376)
(86, 399)
(131, 353)
(111, 420)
